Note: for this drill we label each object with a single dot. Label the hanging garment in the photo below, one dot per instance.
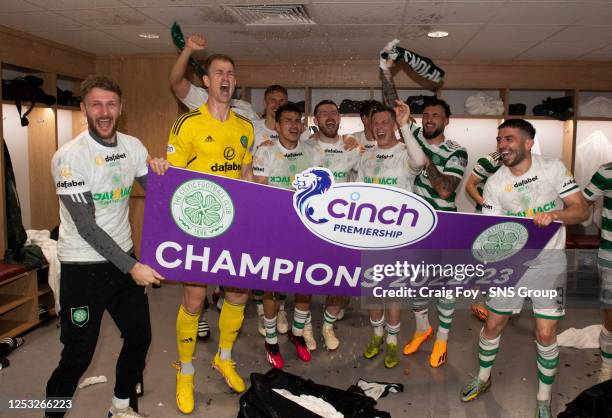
(17, 252)
(49, 249)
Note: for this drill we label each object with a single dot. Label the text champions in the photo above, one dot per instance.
(172, 255)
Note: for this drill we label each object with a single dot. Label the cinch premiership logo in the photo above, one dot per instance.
(500, 242)
(202, 208)
(360, 215)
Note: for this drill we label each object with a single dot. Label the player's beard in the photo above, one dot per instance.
(516, 157)
(432, 134)
(91, 123)
(329, 132)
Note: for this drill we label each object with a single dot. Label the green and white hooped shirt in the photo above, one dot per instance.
(450, 158)
(601, 185)
(485, 167)
(387, 166)
(108, 172)
(280, 165)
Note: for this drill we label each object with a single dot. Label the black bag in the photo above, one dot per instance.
(260, 401)
(26, 89)
(417, 103)
(517, 109)
(350, 106)
(560, 108)
(65, 98)
(595, 402)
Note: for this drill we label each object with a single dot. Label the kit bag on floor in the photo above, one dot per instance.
(261, 401)
(594, 402)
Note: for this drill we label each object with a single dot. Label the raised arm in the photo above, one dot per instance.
(417, 158)
(180, 85)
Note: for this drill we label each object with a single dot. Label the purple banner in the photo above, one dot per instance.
(322, 239)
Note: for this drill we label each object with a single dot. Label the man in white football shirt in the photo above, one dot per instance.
(277, 165)
(387, 163)
(543, 189)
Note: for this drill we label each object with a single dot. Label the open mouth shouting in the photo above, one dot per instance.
(105, 127)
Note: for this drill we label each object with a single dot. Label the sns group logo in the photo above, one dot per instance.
(362, 216)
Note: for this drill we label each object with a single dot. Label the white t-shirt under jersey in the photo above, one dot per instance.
(333, 156)
(280, 165)
(387, 166)
(196, 96)
(84, 165)
(263, 133)
(540, 189)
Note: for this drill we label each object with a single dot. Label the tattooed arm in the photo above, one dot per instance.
(444, 184)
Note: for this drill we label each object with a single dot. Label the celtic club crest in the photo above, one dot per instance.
(202, 208)
(500, 242)
(79, 316)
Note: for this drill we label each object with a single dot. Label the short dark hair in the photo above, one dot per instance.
(218, 57)
(324, 102)
(274, 88)
(434, 101)
(520, 124)
(380, 108)
(99, 81)
(366, 107)
(287, 107)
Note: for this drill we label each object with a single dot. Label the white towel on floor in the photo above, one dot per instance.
(312, 403)
(49, 249)
(587, 337)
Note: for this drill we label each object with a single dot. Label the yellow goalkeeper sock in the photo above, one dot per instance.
(230, 322)
(186, 331)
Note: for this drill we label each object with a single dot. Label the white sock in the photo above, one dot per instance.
(422, 320)
(548, 361)
(487, 352)
(442, 334)
(187, 368)
(378, 326)
(225, 354)
(270, 325)
(392, 331)
(120, 403)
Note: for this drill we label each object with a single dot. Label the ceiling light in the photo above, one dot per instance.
(149, 35)
(437, 34)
